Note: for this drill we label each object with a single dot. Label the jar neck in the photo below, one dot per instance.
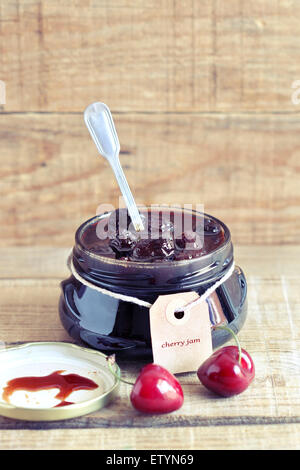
(147, 279)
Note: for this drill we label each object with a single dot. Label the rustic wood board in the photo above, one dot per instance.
(243, 168)
(266, 416)
(283, 437)
(164, 55)
(201, 94)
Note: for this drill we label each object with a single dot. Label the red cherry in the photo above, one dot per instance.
(224, 374)
(156, 391)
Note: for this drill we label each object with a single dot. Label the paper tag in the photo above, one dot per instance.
(180, 342)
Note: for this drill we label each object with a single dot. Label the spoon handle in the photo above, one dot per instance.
(128, 197)
(100, 123)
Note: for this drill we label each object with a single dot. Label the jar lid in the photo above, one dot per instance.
(43, 359)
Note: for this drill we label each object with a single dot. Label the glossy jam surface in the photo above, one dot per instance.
(64, 403)
(168, 236)
(66, 384)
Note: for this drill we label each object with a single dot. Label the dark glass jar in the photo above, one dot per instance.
(116, 326)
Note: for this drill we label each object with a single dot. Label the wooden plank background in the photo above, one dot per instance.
(201, 95)
(166, 55)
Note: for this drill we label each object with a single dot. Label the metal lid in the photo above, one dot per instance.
(44, 358)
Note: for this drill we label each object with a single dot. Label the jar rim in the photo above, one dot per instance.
(149, 264)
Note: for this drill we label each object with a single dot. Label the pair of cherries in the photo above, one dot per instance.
(227, 372)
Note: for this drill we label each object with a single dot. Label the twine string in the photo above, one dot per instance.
(143, 303)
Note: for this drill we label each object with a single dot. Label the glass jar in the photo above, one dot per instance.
(116, 326)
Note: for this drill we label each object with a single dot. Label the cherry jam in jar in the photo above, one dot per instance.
(144, 266)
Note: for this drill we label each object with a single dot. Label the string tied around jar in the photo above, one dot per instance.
(143, 303)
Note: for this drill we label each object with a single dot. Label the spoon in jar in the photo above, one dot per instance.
(99, 122)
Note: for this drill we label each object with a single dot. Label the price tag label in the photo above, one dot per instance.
(181, 341)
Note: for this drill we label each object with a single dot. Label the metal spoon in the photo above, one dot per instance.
(100, 123)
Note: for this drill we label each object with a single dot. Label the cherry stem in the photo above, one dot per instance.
(118, 376)
(226, 328)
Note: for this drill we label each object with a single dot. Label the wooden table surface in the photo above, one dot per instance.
(266, 416)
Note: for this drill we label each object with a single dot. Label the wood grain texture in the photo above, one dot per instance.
(201, 95)
(244, 169)
(165, 55)
(260, 437)
(266, 416)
